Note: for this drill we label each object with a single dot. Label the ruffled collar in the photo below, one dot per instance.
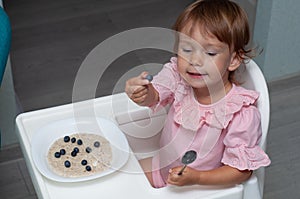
(192, 115)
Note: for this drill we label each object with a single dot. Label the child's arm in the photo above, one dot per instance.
(141, 91)
(224, 175)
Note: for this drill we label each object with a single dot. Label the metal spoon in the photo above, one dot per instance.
(149, 78)
(188, 158)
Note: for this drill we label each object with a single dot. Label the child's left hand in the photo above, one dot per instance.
(189, 176)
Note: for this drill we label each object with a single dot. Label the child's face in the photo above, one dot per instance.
(204, 61)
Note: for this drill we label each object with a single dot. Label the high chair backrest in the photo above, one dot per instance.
(252, 78)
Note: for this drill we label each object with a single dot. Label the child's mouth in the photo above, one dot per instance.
(195, 75)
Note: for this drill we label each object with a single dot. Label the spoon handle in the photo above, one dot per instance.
(181, 171)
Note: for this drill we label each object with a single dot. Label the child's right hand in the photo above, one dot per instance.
(140, 90)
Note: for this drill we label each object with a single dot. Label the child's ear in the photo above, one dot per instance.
(235, 62)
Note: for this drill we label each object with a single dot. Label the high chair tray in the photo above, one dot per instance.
(128, 181)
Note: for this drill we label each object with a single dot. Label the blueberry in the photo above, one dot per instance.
(88, 168)
(73, 140)
(66, 138)
(76, 150)
(62, 151)
(96, 144)
(79, 142)
(73, 153)
(84, 162)
(67, 164)
(57, 154)
(88, 149)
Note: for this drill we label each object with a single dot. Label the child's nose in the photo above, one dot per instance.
(197, 59)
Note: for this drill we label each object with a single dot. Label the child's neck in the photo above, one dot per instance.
(212, 95)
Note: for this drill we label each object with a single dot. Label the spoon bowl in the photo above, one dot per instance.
(187, 158)
(149, 78)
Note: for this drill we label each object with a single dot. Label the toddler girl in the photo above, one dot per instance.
(209, 113)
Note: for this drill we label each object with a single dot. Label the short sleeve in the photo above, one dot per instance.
(242, 149)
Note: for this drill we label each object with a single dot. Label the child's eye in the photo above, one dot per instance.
(211, 54)
(186, 50)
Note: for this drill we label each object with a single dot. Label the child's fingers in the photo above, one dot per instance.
(135, 89)
(146, 77)
(137, 93)
(140, 96)
(138, 81)
(143, 75)
(136, 84)
(139, 100)
(140, 91)
(173, 179)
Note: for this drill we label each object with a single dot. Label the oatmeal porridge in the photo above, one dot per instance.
(80, 154)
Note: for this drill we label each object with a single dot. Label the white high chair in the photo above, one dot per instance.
(254, 79)
(141, 126)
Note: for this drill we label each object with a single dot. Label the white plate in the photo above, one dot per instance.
(48, 134)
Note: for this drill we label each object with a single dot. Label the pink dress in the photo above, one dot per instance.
(226, 132)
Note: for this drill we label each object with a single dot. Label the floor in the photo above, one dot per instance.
(52, 38)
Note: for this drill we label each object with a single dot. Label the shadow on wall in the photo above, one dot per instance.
(250, 7)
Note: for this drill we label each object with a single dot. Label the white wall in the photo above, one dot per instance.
(277, 30)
